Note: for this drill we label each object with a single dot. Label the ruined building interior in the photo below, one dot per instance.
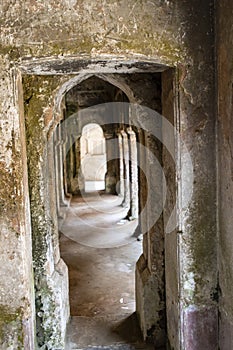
(116, 168)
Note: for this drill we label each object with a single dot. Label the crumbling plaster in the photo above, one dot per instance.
(224, 67)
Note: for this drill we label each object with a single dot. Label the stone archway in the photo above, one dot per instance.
(149, 283)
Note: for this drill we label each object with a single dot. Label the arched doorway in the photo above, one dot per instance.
(93, 157)
(98, 242)
(95, 96)
(150, 276)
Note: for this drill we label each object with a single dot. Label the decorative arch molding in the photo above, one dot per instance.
(69, 84)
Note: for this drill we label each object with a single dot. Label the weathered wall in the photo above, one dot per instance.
(51, 276)
(85, 27)
(17, 318)
(225, 174)
(197, 224)
(171, 238)
(177, 33)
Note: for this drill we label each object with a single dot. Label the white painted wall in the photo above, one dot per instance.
(93, 157)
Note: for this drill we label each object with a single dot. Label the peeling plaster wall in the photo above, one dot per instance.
(225, 173)
(177, 33)
(16, 288)
(51, 275)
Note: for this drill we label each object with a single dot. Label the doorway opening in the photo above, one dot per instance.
(55, 179)
(98, 241)
(93, 158)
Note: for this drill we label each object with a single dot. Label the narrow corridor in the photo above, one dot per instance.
(99, 248)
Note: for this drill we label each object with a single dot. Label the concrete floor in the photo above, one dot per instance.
(98, 246)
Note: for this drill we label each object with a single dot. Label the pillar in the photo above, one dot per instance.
(60, 168)
(126, 201)
(150, 286)
(133, 174)
(121, 167)
(56, 168)
(112, 165)
(17, 306)
(50, 272)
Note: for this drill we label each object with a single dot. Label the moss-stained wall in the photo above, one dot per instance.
(16, 287)
(88, 27)
(225, 176)
(50, 272)
(198, 230)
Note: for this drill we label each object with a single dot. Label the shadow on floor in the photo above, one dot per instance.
(89, 333)
(129, 329)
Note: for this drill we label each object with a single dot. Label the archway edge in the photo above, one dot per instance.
(102, 68)
(78, 79)
(95, 124)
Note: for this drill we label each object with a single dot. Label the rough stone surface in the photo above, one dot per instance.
(17, 289)
(122, 28)
(196, 337)
(171, 238)
(51, 277)
(225, 173)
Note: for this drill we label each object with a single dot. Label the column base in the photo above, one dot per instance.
(148, 305)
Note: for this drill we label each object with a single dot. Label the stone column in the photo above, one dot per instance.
(133, 173)
(112, 165)
(65, 166)
(56, 168)
(121, 166)
(69, 163)
(197, 231)
(172, 265)
(17, 308)
(143, 190)
(126, 201)
(60, 168)
(79, 178)
(150, 267)
(50, 272)
(224, 32)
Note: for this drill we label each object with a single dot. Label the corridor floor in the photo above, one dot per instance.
(99, 248)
